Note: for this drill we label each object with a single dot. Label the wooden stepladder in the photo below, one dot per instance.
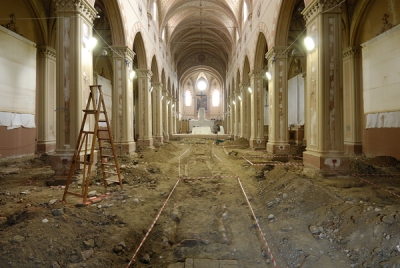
(86, 144)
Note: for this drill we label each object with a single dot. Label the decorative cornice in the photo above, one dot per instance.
(276, 52)
(123, 51)
(351, 51)
(46, 52)
(321, 6)
(81, 6)
(244, 86)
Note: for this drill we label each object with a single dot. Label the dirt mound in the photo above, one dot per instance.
(382, 161)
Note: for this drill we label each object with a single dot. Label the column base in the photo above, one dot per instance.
(353, 148)
(326, 162)
(45, 147)
(144, 143)
(257, 144)
(60, 162)
(158, 141)
(124, 148)
(235, 137)
(278, 148)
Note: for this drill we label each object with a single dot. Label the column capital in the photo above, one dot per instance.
(279, 52)
(257, 74)
(46, 52)
(123, 52)
(321, 6)
(351, 52)
(76, 6)
(157, 85)
(145, 73)
(165, 93)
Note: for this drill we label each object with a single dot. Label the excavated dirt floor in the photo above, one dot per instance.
(305, 219)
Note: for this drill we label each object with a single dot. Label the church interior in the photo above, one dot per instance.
(245, 133)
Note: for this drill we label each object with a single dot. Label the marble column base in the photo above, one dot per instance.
(257, 144)
(326, 162)
(278, 148)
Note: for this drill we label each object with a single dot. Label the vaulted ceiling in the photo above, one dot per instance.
(200, 33)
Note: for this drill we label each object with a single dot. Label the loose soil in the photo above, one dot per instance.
(308, 219)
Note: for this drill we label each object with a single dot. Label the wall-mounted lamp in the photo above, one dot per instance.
(309, 42)
(229, 106)
(268, 75)
(250, 90)
(173, 105)
(240, 98)
(151, 89)
(168, 102)
(234, 102)
(162, 97)
(132, 75)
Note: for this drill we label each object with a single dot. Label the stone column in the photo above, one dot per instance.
(46, 96)
(257, 140)
(74, 75)
(236, 107)
(352, 100)
(231, 116)
(325, 87)
(278, 138)
(144, 102)
(157, 113)
(122, 100)
(171, 117)
(245, 115)
(306, 112)
(165, 115)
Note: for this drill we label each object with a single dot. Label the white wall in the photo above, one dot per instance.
(381, 78)
(17, 73)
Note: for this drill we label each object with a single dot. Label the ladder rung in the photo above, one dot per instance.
(106, 155)
(88, 132)
(82, 162)
(102, 120)
(108, 164)
(103, 129)
(90, 111)
(109, 172)
(78, 195)
(106, 147)
(104, 139)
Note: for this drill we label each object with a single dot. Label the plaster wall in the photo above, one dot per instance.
(18, 75)
(19, 141)
(382, 141)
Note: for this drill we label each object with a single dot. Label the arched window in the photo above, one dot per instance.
(188, 98)
(215, 97)
(245, 11)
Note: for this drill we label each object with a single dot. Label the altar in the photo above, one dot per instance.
(201, 125)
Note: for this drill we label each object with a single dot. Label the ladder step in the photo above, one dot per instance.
(104, 130)
(106, 147)
(78, 195)
(108, 164)
(107, 155)
(88, 132)
(90, 111)
(109, 172)
(102, 120)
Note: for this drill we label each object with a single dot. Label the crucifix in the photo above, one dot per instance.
(200, 101)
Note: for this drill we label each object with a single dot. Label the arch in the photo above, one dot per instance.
(140, 50)
(163, 78)
(261, 49)
(262, 27)
(113, 10)
(154, 70)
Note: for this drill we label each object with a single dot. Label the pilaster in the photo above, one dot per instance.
(257, 140)
(73, 76)
(157, 113)
(245, 116)
(122, 100)
(145, 114)
(231, 115)
(325, 87)
(165, 115)
(171, 117)
(278, 138)
(352, 100)
(46, 99)
(236, 107)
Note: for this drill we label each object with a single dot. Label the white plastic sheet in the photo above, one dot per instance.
(383, 120)
(14, 120)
